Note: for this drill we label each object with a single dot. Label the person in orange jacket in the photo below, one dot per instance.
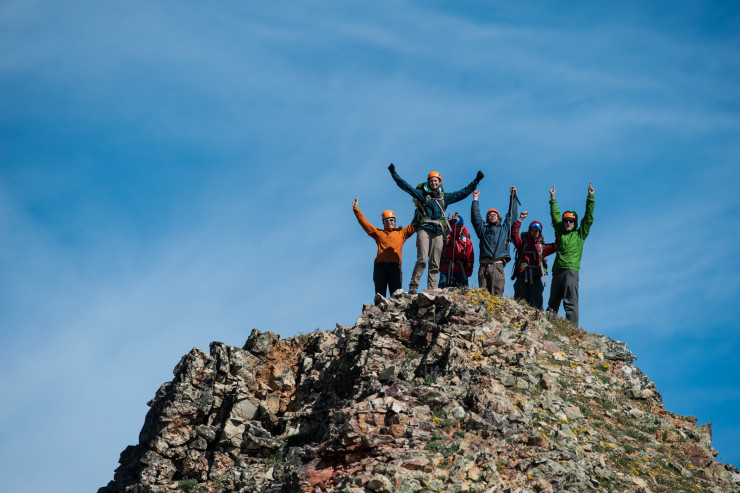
(387, 272)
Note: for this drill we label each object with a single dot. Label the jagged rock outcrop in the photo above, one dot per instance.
(442, 391)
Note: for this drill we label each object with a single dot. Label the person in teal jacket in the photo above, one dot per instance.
(431, 201)
(570, 237)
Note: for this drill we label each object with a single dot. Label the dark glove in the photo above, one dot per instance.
(479, 176)
(392, 168)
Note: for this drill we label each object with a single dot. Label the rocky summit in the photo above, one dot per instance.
(444, 391)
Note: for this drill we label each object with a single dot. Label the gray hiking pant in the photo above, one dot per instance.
(491, 277)
(564, 288)
(428, 246)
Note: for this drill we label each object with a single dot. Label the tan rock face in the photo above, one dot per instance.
(441, 391)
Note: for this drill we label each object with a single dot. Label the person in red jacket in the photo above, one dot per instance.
(457, 255)
(530, 269)
(387, 272)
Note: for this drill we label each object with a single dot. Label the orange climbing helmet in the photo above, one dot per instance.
(569, 215)
(434, 174)
(388, 215)
(493, 210)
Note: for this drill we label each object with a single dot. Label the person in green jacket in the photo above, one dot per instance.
(570, 237)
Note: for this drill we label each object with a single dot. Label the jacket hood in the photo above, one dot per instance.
(575, 214)
(427, 189)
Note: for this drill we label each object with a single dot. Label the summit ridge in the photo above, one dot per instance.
(445, 391)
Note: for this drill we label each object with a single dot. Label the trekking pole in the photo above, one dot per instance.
(512, 198)
(444, 247)
(543, 275)
(451, 267)
(511, 202)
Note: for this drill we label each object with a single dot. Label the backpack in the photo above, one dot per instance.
(518, 258)
(457, 249)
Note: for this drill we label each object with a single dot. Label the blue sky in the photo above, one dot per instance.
(173, 173)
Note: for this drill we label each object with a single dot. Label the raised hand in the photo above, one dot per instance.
(513, 190)
(355, 203)
(479, 176)
(392, 168)
(523, 214)
(590, 189)
(476, 194)
(552, 192)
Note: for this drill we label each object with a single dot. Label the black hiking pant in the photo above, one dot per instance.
(387, 275)
(459, 279)
(564, 288)
(528, 287)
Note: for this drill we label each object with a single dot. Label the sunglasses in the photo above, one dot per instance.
(569, 220)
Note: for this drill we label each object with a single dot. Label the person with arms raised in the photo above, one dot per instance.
(570, 237)
(494, 243)
(431, 201)
(387, 272)
(530, 267)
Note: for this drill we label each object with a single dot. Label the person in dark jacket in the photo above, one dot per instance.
(458, 258)
(494, 243)
(431, 202)
(570, 237)
(387, 268)
(530, 270)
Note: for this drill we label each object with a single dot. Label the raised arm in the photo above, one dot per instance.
(403, 185)
(557, 221)
(452, 197)
(475, 215)
(513, 208)
(588, 217)
(369, 228)
(515, 228)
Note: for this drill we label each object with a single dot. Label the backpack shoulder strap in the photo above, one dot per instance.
(446, 222)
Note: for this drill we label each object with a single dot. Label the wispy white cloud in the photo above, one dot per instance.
(288, 114)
